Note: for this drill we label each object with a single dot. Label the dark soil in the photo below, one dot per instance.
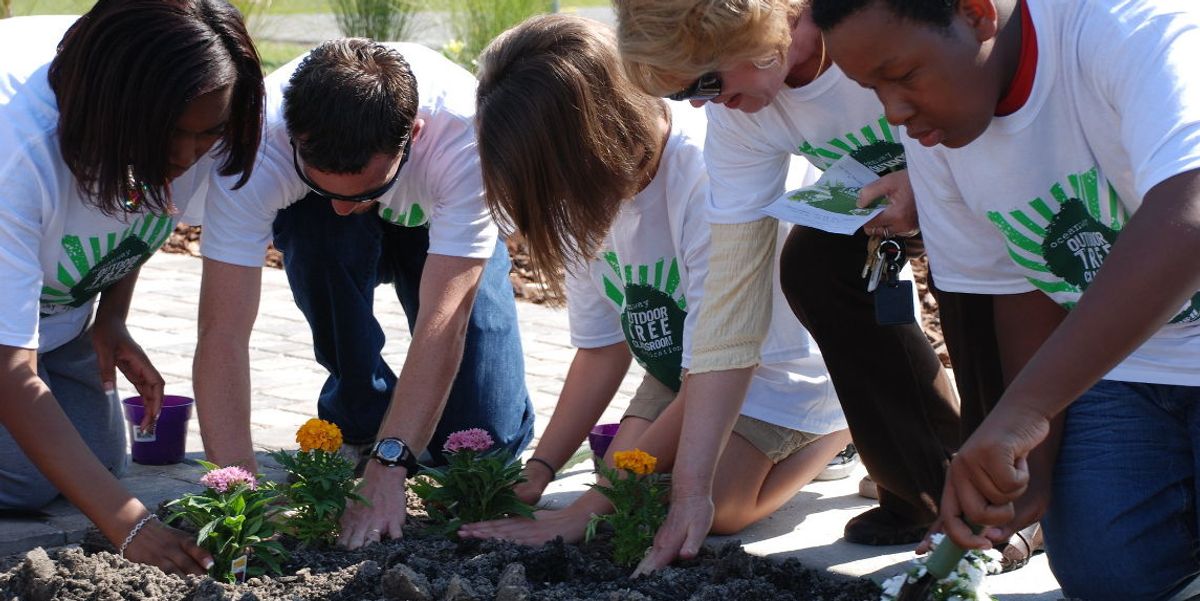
(422, 568)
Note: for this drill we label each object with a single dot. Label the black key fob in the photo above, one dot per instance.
(894, 303)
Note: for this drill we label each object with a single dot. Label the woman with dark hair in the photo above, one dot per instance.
(104, 144)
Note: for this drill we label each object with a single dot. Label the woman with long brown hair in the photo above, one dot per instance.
(608, 184)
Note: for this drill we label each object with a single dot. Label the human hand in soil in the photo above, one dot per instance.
(688, 522)
(547, 525)
(171, 550)
(115, 348)
(900, 216)
(384, 511)
(990, 473)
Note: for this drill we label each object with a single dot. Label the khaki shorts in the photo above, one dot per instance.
(776, 442)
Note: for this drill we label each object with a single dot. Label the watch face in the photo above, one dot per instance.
(389, 449)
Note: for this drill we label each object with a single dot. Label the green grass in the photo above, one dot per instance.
(276, 54)
(278, 7)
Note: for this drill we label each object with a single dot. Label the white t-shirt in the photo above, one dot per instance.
(1057, 180)
(646, 287)
(440, 187)
(748, 153)
(57, 253)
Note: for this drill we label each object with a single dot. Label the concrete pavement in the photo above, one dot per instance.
(286, 380)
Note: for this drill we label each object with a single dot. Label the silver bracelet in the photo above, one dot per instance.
(136, 529)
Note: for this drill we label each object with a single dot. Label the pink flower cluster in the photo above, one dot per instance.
(224, 479)
(474, 439)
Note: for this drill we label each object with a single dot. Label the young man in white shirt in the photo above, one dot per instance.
(368, 174)
(1072, 130)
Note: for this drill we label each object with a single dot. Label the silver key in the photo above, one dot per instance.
(876, 273)
(872, 255)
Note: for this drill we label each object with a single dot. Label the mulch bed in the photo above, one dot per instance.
(427, 568)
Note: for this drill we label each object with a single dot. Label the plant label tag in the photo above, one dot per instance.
(238, 568)
(140, 435)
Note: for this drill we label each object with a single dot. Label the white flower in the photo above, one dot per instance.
(892, 586)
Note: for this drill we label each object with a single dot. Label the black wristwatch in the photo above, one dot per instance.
(392, 452)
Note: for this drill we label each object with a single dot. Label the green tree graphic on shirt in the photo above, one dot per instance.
(97, 262)
(1062, 241)
(836, 198)
(414, 217)
(653, 309)
(874, 145)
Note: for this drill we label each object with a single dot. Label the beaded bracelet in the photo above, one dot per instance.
(136, 529)
(553, 472)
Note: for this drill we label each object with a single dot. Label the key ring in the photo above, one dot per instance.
(894, 250)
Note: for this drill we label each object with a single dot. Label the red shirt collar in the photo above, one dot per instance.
(1022, 83)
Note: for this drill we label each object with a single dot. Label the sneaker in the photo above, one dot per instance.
(841, 465)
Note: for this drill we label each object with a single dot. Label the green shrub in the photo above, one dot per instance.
(475, 23)
(380, 20)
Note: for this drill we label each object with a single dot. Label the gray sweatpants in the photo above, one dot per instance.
(73, 376)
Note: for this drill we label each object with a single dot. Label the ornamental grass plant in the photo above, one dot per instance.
(639, 499)
(233, 515)
(320, 483)
(380, 20)
(475, 485)
(475, 23)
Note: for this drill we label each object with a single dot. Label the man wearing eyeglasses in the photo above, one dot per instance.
(368, 174)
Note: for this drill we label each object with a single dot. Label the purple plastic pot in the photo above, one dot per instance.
(600, 437)
(167, 441)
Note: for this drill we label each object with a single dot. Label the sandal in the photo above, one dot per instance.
(1023, 545)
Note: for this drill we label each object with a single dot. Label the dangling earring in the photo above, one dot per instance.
(135, 192)
(821, 63)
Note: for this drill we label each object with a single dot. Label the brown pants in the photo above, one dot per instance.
(897, 398)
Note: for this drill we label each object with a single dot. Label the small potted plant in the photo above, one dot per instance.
(475, 485)
(639, 498)
(320, 483)
(233, 516)
(965, 581)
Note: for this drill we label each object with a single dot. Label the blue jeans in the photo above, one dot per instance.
(333, 265)
(1122, 523)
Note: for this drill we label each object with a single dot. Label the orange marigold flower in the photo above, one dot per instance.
(636, 461)
(318, 434)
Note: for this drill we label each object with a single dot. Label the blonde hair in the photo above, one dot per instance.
(564, 138)
(664, 43)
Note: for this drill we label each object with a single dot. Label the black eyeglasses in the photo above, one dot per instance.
(706, 87)
(364, 197)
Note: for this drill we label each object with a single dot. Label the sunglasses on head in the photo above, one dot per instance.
(706, 87)
(365, 196)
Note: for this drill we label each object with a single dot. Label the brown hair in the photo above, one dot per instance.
(123, 76)
(349, 100)
(564, 137)
(666, 44)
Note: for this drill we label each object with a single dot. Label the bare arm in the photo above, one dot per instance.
(229, 298)
(448, 286)
(591, 383)
(1155, 252)
(35, 420)
(115, 348)
(730, 328)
